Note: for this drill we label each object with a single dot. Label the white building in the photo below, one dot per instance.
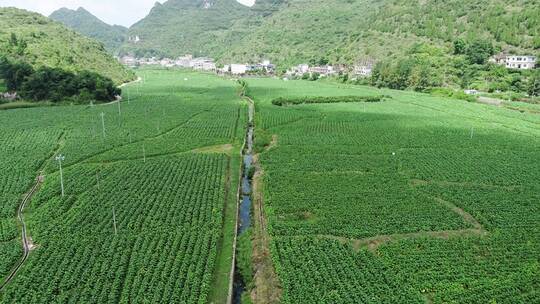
(302, 68)
(520, 62)
(166, 62)
(203, 64)
(184, 61)
(134, 39)
(322, 70)
(239, 69)
(129, 61)
(364, 68)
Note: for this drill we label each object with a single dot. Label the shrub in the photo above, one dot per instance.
(283, 101)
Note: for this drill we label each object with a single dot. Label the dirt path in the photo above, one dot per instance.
(26, 240)
(372, 243)
(131, 82)
(490, 101)
(267, 289)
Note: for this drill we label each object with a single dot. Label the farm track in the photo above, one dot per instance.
(27, 244)
(26, 240)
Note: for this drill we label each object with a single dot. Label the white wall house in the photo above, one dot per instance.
(520, 62)
(238, 69)
(363, 70)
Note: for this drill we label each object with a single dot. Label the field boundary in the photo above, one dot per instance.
(372, 243)
(267, 286)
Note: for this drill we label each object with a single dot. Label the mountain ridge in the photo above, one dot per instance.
(84, 22)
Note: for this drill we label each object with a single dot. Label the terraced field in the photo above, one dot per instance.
(149, 207)
(413, 199)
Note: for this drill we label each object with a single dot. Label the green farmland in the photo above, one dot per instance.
(415, 199)
(145, 200)
(407, 198)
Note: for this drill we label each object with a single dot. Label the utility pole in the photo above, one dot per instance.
(472, 132)
(60, 158)
(144, 154)
(103, 123)
(114, 221)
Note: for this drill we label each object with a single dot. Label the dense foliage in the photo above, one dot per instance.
(168, 199)
(83, 22)
(335, 31)
(55, 84)
(401, 172)
(425, 67)
(285, 101)
(39, 41)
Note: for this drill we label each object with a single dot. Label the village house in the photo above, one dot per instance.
(302, 68)
(239, 69)
(322, 70)
(129, 61)
(166, 62)
(203, 64)
(134, 39)
(268, 67)
(184, 61)
(521, 62)
(364, 68)
(514, 61)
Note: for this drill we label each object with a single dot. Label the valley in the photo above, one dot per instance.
(291, 151)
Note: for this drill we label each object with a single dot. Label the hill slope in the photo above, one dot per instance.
(82, 21)
(40, 41)
(199, 27)
(295, 31)
(345, 31)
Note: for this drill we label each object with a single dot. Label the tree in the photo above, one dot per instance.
(534, 84)
(460, 46)
(14, 73)
(479, 51)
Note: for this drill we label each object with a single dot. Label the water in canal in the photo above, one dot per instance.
(244, 212)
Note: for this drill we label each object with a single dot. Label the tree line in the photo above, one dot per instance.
(55, 84)
(466, 66)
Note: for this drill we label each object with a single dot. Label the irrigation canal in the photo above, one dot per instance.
(244, 210)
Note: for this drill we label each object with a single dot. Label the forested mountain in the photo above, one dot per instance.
(199, 27)
(82, 21)
(39, 41)
(339, 31)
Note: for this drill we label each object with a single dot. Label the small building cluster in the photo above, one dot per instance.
(201, 64)
(265, 67)
(361, 69)
(515, 61)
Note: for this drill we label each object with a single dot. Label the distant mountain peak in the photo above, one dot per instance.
(86, 23)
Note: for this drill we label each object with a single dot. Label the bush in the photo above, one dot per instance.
(283, 101)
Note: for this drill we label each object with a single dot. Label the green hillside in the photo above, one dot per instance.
(199, 27)
(345, 31)
(82, 21)
(295, 31)
(35, 39)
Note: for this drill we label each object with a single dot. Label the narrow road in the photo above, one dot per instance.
(27, 245)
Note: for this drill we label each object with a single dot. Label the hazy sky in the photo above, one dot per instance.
(123, 12)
